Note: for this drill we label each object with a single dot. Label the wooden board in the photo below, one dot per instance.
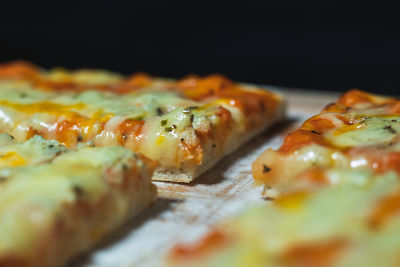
(182, 213)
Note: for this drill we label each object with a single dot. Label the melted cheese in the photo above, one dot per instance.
(363, 137)
(368, 130)
(41, 182)
(71, 117)
(91, 77)
(339, 196)
(12, 159)
(330, 227)
(206, 116)
(34, 151)
(88, 114)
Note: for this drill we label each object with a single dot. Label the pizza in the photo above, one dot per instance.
(186, 125)
(360, 132)
(346, 225)
(336, 195)
(56, 203)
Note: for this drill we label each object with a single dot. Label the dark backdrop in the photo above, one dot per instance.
(331, 45)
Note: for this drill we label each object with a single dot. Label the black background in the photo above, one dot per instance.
(326, 45)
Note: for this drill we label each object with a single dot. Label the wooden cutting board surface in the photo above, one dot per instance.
(183, 212)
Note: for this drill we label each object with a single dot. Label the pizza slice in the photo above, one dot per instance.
(353, 144)
(186, 125)
(56, 203)
(359, 132)
(345, 225)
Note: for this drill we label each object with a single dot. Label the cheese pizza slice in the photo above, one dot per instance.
(359, 132)
(347, 225)
(186, 125)
(56, 203)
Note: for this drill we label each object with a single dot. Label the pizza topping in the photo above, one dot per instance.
(390, 129)
(18, 69)
(358, 132)
(212, 241)
(170, 129)
(293, 200)
(326, 227)
(386, 208)
(159, 111)
(266, 168)
(145, 114)
(318, 254)
(59, 197)
(33, 151)
(189, 113)
(78, 191)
